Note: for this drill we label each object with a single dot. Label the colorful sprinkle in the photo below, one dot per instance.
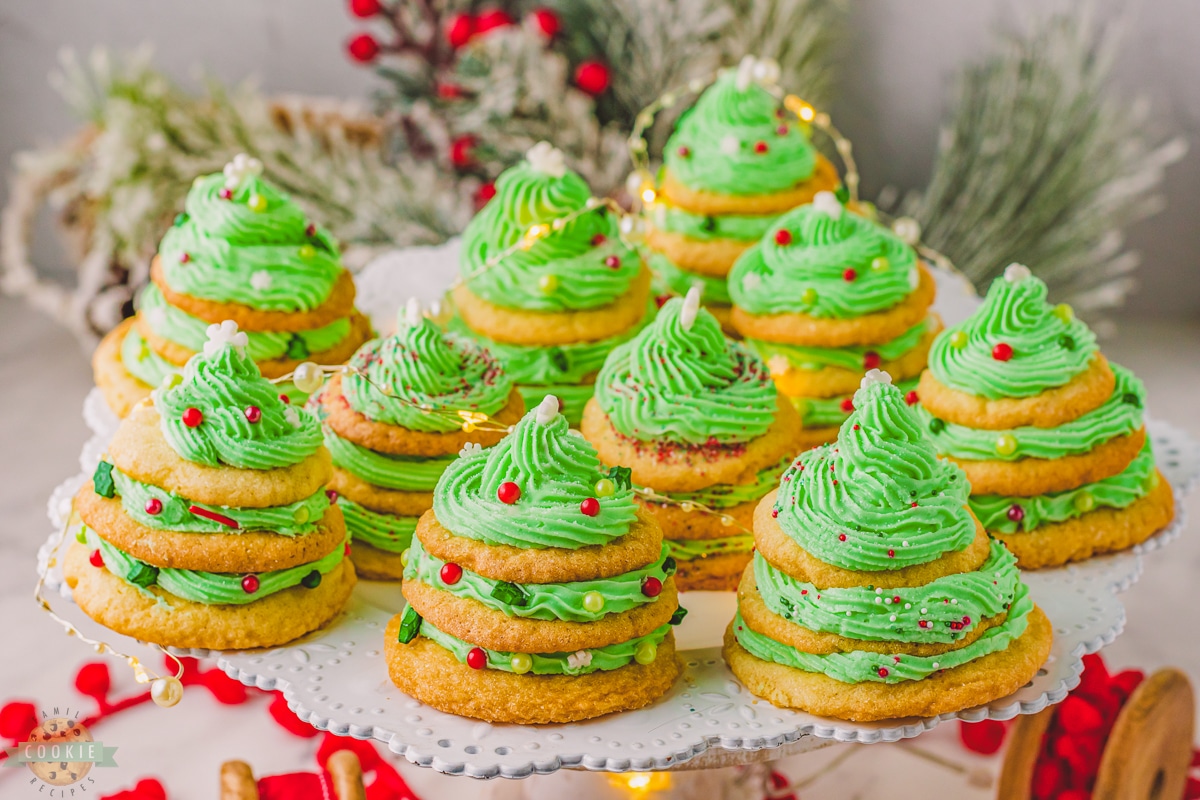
(783, 237)
(508, 493)
(612, 262)
(1002, 351)
(154, 506)
(95, 559)
(593, 602)
(520, 663)
(590, 507)
(253, 414)
(911, 398)
(192, 417)
(476, 658)
(450, 573)
(652, 587)
(214, 516)
(850, 275)
(250, 584)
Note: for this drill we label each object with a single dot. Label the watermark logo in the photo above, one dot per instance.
(60, 752)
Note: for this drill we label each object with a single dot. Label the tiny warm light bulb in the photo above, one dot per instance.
(641, 784)
(648, 194)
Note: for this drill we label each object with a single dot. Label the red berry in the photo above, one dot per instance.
(911, 398)
(363, 48)
(783, 237)
(590, 507)
(450, 573)
(490, 20)
(612, 262)
(449, 91)
(154, 506)
(883, 672)
(365, 8)
(592, 77)
(192, 416)
(476, 658)
(1016, 513)
(253, 414)
(95, 559)
(250, 584)
(652, 587)
(1002, 352)
(486, 192)
(460, 151)
(871, 359)
(283, 398)
(850, 275)
(760, 147)
(460, 30)
(984, 737)
(225, 194)
(547, 21)
(841, 537)
(332, 495)
(599, 239)
(508, 493)
(185, 258)
(684, 151)
(847, 405)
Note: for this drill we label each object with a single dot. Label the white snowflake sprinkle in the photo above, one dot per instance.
(827, 203)
(241, 168)
(545, 157)
(224, 334)
(893, 618)
(292, 416)
(751, 282)
(1015, 273)
(470, 449)
(260, 280)
(579, 660)
(730, 145)
(778, 365)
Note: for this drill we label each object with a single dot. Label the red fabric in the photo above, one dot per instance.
(984, 737)
(287, 718)
(17, 719)
(295, 786)
(145, 789)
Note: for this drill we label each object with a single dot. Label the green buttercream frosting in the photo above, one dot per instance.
(383, 531)
(728, 495)
(1049, 347)
(294, 519)
(575, 257)
(735, 140)
(950, 607)
(1116, 491)
(848, 358)
(742, 228)
(808, 275)
(1119, 415)
(225, 251)
(555, 471)
(692, 549)
(685, 382)
(222, 383)
(421, 365)
(610, 657)
(210, 588)
(713, 291)
(549, 601)
(177, 326)
(824, 412)
(143, 363)
(859, 666)
(880, 486)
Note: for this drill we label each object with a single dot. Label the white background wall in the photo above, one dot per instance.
(899, 62)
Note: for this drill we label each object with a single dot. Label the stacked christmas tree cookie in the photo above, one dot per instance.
(827, 295)
(734, 163)
(208, 524)
(1049, 433)
(537, 590)
(242, 251)
(874, 592)
(554, 308)
(392, 425)
(697, 419)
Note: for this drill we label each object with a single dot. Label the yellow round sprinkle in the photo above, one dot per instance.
(645, 653)
(1064, 312)
(605, 488)
(593, 602)
(307, 251)
(1084, 502)
(958, 340)
(257, 203)
(1006, 444)
(520, 663)
(300, 515)
(880, 263)
(404, 558)
(548, 283)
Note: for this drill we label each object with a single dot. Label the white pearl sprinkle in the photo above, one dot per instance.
(730, 145)
(878, 599)
(953, 602)
(887, 600)
(935, 665)
(907, 606)
(924, 610)
(879, 591)
(893, 618)
(904, 544)
(828, 204)
(848, 613)
(1014, 272)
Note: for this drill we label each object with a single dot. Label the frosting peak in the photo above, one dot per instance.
(686, 383)
(396, 379)
(1015, 345)
(878, 498)
(535, 489)
(222, 411)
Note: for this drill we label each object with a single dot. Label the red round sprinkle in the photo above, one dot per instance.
(651, 587)
(760, 147)
(332, 495)
(250, 584)
(896, 600)
(848, 405)
(914, 505)
(225, 194)
(685, 151)
(891, 553)
(476, 658)
(310, 229)
(287, 401)
(1016, 513)
(612, 262)
(1002, 352)
(883, 672)
(871, 359)
(192, 417)
(154, 506)
(966, 621)
(95, 559)
(804, 591)
(782, 130)
(922, 624)
(856, 426)
(599, 239)
(774, 512)
(850, 275)
(841, 537)
(185, 258)
(911, 398)
(450, 573)
(508, 493)
(346, 549)
(253, 414)
(783, 237)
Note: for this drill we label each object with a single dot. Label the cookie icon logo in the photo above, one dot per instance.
(60, 751)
